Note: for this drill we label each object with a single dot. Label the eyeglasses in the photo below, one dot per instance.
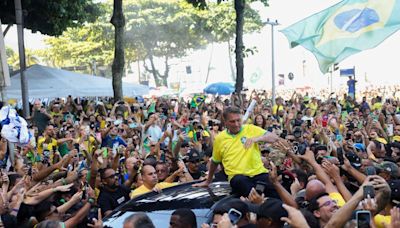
(111, 176)
(327, 204)
(195, 161)
(153, 145)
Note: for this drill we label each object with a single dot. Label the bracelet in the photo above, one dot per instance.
(54, 190)
(15, 209)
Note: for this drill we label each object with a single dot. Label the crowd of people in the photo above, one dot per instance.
(301, 161)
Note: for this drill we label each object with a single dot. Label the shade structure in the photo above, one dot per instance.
(47, 82)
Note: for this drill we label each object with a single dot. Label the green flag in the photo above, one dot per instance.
(152, 108)
(344, 29)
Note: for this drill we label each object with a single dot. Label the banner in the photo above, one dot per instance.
(347, 72)
(344, 29)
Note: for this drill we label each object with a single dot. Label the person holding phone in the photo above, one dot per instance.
(237, 150)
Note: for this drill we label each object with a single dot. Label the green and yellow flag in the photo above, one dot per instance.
(344, 29)
(197, 100)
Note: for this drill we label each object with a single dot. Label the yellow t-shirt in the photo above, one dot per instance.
(338, 198)
(48, 146)
(275, 109)
(142, 189)
(204, 134)
(382, 219)
(313, 108)
(89, 145)
(229, 149)
(377, 106)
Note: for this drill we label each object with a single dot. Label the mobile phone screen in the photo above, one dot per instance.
(363, 219)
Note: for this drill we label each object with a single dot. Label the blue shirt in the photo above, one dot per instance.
(108, 141)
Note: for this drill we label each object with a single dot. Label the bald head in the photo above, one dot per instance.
(314, 188)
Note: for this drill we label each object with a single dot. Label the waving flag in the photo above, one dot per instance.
(344, 29)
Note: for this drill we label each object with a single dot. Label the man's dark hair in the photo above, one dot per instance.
(42, 210)
(103, 172)
(187, 217)
(231, 110)
(139, 220)
(301, 176)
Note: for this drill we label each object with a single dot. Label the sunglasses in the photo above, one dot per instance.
(111, 176)
(327, 203)
(195, 161)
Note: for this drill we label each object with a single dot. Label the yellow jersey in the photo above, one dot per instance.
(42, 145)
(229, 149)
(143, 189)
(275, 109)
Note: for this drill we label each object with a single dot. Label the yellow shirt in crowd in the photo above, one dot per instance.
(48, 146)
(379, 220)
(275, 109)
(142, 189)
(229, 149)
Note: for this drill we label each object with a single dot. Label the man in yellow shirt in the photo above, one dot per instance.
(150, 182)
(237, 149)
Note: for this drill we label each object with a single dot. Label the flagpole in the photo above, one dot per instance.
(22, 63)
(272, 23)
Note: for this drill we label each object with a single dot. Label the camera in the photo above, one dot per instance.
(297, 133)
(299, 148)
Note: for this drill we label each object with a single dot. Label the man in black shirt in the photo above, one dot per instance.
(112, 194)
(40, 118)
(195, 168)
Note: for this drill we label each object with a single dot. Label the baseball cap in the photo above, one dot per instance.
(390, 167)
(359, 146)
(354, 160)
(396, 138)
(272, 209)
(193, 155)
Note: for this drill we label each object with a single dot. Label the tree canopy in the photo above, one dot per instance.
(51, 17)
(155, 29)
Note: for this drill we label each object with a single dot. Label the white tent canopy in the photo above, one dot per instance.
(47, 82)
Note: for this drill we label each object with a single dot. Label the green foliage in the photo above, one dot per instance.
(154, 29)
(31, 58)
(51, 17)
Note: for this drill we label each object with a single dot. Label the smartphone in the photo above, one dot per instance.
(234, 216)
(260, 187)
(363, 219)
(390, 129)
(340, 155)
(105, 152)
(370, 170)
(76, 146)
(84, 191)
(369, 191)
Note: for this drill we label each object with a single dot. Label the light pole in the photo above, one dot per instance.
(272, 23)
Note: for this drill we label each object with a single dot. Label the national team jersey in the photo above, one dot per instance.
(229, 149)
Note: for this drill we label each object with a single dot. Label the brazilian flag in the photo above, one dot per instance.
(344, 29)
(197, 100)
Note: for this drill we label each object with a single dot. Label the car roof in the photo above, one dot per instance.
(159, 206)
